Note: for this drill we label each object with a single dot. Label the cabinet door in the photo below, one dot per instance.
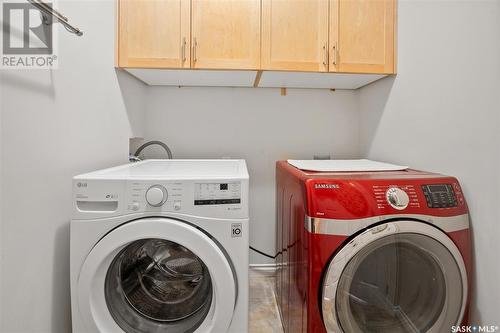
(295, 35)
(362, 36)
(154, 33)
(225, 34)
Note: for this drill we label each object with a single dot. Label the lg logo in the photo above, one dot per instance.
(80, 184)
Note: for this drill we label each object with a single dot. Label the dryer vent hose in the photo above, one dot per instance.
(264, 254)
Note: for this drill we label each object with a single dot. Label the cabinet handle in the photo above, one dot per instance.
(195, 44)
(325, 51)
(184, 43)
(334, 50)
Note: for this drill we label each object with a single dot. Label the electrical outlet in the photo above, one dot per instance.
(134, 144)
(322, 157)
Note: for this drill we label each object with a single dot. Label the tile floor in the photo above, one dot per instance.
(264, 316)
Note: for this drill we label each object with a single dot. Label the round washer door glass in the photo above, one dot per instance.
(399, 282)
(157, 285)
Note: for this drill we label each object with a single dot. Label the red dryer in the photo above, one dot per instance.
(371, 251)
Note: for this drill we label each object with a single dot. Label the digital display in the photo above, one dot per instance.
(439, 196)
(217, 202)
(437, 188)
(217, 193)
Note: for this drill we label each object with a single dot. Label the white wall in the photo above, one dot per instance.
(258, 125)
(1, 203)
(441, 113)
(54, 125)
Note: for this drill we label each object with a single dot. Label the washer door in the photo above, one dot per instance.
(156, 274)
(402, 276)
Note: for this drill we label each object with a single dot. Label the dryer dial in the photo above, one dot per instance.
(156, 195)
(397, 198)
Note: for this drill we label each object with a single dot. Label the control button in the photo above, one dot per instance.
(156, 195)
(177, 205)
(135, 206)
(397, 198)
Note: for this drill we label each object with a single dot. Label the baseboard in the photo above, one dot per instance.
(263, 267)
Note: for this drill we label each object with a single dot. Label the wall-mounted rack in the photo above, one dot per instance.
(50, 14)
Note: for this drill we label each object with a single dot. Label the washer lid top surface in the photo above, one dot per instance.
(174, 169)
(172, 261)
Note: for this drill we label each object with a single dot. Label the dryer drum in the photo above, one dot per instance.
(396, 287)
(159, 282)
(403, 282)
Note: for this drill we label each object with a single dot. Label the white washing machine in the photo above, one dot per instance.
(161, 246)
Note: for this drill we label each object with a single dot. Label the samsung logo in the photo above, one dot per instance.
(327, 186)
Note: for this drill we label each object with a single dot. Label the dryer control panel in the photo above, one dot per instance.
(440, 195)
(359, 198)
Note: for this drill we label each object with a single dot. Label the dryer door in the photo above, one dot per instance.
(402, 276)
(156, 275)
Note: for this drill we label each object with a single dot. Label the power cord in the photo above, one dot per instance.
(264, 254)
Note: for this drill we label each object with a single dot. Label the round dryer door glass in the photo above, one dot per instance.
(404, 282)
(157, 285)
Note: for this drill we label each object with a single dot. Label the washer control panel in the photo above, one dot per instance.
(440, 195)
(146, 195)
(215, 198)
(217, 193)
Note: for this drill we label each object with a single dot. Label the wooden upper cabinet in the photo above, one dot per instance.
(362, 36)
(346, 36)
(295, 35)
(225, 34)
(154, 33)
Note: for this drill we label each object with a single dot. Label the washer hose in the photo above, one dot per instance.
(150, 143)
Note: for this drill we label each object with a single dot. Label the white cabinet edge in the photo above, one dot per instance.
(269, 79)
(273, 79)
(194, 78)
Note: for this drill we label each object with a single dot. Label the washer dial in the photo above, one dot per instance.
(156, 195)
